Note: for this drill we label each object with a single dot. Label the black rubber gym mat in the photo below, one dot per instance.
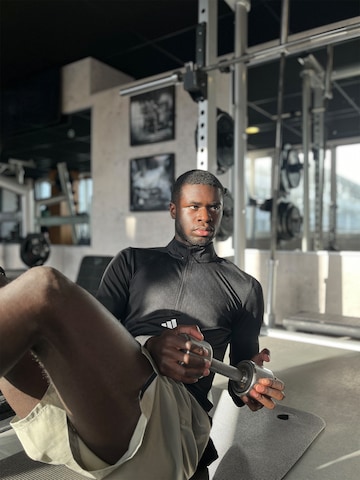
(260, 445)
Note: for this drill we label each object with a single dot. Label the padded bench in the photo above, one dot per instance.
(338, 325)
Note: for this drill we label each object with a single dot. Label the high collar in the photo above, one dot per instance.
(200, 254)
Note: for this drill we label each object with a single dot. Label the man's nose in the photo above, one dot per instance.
(205, 215)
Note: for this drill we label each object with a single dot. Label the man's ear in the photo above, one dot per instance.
(172, 209)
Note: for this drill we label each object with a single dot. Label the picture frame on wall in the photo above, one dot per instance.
(152, 116)
(151, 180)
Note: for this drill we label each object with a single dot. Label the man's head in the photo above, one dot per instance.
(196, 206)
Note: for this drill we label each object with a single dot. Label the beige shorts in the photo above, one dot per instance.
(167, 443)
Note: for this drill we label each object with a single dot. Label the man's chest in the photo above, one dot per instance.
(198, 290)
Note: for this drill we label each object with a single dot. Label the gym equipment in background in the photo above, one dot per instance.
(35, 249)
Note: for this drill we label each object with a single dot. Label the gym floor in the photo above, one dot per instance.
(319, 380)
(324, 381)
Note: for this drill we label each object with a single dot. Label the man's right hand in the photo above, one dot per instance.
(170, 353)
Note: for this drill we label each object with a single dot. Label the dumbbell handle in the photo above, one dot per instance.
(216, 366)
(226, 370)
(245, 373)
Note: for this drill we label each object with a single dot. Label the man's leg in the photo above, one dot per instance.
(25, 385)
(95, 364)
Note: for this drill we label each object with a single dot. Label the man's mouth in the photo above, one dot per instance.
(203, 231)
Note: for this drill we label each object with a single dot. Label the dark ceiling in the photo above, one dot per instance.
(143, 38)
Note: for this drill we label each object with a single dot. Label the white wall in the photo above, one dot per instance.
(318, 282)
(321, 282)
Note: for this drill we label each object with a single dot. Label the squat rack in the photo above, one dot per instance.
(244, 58)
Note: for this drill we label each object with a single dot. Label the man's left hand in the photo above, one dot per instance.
(266, 391)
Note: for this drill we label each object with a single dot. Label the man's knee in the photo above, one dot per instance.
(43, 288)
(37, 285)
(45, 279)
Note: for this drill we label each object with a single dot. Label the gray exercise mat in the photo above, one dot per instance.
(260, 445)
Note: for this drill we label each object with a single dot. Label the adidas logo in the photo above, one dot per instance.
(170, 323)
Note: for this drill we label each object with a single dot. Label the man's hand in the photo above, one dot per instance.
(170, 351)
(267, 390)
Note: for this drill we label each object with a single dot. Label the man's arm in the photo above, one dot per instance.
(113, 291)
(245, 346)
(245, 330)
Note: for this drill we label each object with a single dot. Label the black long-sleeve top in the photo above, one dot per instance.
(149, 289)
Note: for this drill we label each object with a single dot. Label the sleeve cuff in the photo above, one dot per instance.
(236, 399)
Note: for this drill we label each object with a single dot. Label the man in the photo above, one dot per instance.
(88, 396)
(152, 291)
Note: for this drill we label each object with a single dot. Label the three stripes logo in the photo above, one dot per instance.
(170, 323)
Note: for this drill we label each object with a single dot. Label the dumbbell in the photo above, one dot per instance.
(244, 375)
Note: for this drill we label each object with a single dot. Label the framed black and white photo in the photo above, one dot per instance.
(152, 116)
(151, 179)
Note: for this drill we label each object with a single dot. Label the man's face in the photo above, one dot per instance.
(197, 214)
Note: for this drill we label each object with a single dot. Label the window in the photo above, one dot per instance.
(348, 189)
(258, 181)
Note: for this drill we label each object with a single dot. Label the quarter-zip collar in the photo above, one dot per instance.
(200, 254)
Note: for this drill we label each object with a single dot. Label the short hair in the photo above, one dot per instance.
(195, 177)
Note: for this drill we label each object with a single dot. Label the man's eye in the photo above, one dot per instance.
(194, 207)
